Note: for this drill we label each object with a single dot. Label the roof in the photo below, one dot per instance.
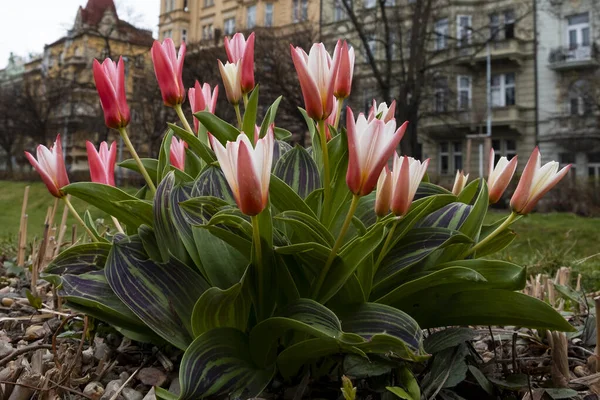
(94, 11)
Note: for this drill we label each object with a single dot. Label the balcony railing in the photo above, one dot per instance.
(569, 126)
(574, 57)
(511, 116)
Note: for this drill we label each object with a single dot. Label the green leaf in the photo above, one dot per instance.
(218, 362)
(284, 198)
(269, 116)
(182, 224)
(34, 301)
(164, 394)
(411, 390)
(486, 307)
(150, 164)
(91, 225)
(218, 308)
(482, 380)
(195, 144)
(299, 171)
(282, 134)
(448, 369)
(220, 129)
(250, 112)
(160, 294)
(449, 337)
(78, 259)
(308, 228)
(401, 393)
(360, 367)
(108, 199)
(212, 182)
(148, 238)
(164, 156)
(427, 189)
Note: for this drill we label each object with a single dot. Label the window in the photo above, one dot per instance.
(509, 24)
(389, 3)
(464, 92)
(251, 16)
(441, 34)
(450, 157)
(339, 11)
(580, 98)
(502, 25)
(169, 5)
(300, 10)
(369, 3)
(440, 95)
(504, 148)
(494, 26)
(269, 14)
(208, 3)
(578, 32)
(503, 90)
(229, 26)
(184, 35)
(167, 34)
(207, 32)
(463, 29)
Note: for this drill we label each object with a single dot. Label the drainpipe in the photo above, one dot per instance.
(535, 73)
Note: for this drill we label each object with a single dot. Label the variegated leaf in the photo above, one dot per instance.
(299, 171)
(79, 259)
(212, 182)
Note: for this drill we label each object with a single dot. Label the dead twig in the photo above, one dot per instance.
(23, 350)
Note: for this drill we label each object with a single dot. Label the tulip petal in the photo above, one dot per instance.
(521, 195)
(250, 200)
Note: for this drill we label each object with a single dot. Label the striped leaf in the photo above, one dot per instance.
(149, 243)
(414, 247)
(284, 198)
(164, 161)
(299, 171)
(306, 228)
(212, 182)
(107, 198)
(426, 189)
(80, 259)
(195, 144)
(280, 148)
(162, 295)
(451, 217)
(90, 291)
(218, 362)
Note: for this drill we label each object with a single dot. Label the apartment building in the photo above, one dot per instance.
(208, 21)
(569, 84)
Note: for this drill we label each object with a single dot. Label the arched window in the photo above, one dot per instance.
(581, 100)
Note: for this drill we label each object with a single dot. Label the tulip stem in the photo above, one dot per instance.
(326, 172)
(78, 218)
(117, 225)
(336, 247)
(340, 105)
(183, 119)
(509, 220)
(238, 115)
(385, 249)
(258, 261)
(245, 100)
(135, 156)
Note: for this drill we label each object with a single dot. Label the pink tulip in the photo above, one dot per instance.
(343, 81)
(247, 170)
(317, 74)
(460, 180)
(500, 176)
(102, 163)
(110, 83)
(168, 67)
(406, 177)
(201, 99)
(177, 153)
(238, 48)
(331, 119)
(386, 113)
(535, 182)
(383, 196)
(231, 73)
(51, 167)
(370, 145)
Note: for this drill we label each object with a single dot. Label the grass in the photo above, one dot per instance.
(544, 242)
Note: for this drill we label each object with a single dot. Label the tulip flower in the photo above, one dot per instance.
(331, 120)
(500, 176)
(102, 162)
(240, 49)
(177, 153)
(384, 112)
(370, 145)
(110, 83)
(232, 76)
(317, 74)
(459, 182)
(406, 176)
(535, 182)
(168, 67)
(247, 170)
(383, 195)
(343, 81)
(201, 99)
(51, 167)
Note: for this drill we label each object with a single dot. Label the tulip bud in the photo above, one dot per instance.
(232, 75)
(383, 196)
(168, 67)
(383, 112)
(110, 83)
(370, 145)
(240, 49)
(317, 74)
(459, 182)
(50, 165)
(500, 176)
(177, 153)
(343, 81)
(406, 176)
(102, 162)
(247, 170)
(201, 99)
(535, 182)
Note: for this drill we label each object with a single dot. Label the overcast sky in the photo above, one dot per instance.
(26, 26)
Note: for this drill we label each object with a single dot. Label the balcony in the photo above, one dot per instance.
(576, 127)
(442, 124)
(513, 50)
(564, 58)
